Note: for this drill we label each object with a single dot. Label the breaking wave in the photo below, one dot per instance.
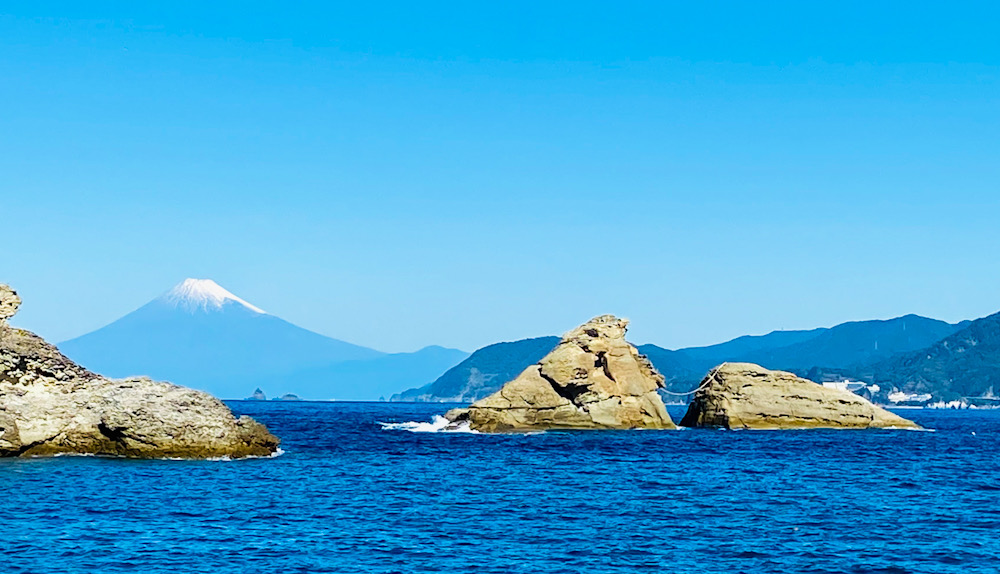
(437, 424)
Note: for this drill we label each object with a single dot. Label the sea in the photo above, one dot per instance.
(379, 488)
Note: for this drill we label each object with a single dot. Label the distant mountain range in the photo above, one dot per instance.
(369, 379)
(845, 347)
(485, 371)
(964, 365)
(871, 350)
(200, 335)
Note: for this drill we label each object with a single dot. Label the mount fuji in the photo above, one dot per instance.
(201, 335)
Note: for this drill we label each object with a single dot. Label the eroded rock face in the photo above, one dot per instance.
(593, 379)
(748, 396)
(50, 405)
(9, 302)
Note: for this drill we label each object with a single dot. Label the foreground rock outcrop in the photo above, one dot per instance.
(9, 302)
(748, 396)
(593, 379)
(50, 405)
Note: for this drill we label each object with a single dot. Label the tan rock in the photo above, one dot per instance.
(748, 396)
(50, 405)
(594, 379)
(9, 302)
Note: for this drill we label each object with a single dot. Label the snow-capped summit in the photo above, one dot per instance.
(194, 295)
(200, 335)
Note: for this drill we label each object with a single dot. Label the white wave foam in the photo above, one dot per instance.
(227, 458)
(224, 458)
(437, 424)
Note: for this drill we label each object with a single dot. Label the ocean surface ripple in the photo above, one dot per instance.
(355, 492)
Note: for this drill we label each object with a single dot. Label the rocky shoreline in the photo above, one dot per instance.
(49, 405)
(593, 379)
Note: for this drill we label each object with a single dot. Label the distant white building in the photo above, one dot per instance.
(849, 386)
(901, 397)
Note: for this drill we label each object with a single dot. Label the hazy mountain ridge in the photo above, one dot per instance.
(858, 342)
(679, 369)
(486, 370)
(369, 379)
(200, 335)
(964, 365)
(844, 349)
(748, 344)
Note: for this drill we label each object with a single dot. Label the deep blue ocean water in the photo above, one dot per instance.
(350, 496)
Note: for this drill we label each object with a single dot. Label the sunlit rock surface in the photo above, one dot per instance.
(50, 405)
(594, 379)
(748, 396)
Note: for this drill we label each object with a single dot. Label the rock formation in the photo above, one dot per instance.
(50, 405)
(748, 396)
(9, 303)
(593, 379)
(257, 395)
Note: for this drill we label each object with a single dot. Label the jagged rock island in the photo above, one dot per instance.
(748, 396)
(50, 405)
(593, 379)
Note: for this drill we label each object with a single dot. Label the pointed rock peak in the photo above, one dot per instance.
(203, 295)
(602, 327)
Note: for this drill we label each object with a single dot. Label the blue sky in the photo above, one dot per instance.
(398, 174)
